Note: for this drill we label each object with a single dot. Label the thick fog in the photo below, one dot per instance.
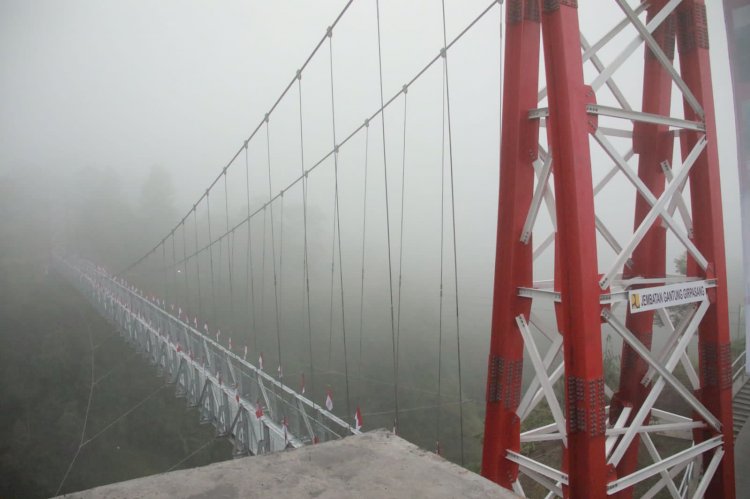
(115, 117)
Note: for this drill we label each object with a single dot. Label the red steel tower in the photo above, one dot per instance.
(566, 420)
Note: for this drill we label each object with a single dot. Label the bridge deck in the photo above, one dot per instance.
(375, 464)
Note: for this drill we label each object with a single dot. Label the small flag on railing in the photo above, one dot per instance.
(230, 343)
(260, 361)
(329, 399)
(179, 348)
(218, 334)
(258, 410)
(302, 388)
(179, 313)
(205, 327)
(195, 322)
(237, 395)
(357, 420)
(281, 373)
(244, 356)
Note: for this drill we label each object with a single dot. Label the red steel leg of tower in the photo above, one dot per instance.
(654, 144)
(513, 264)
(568, 129)
(714, 345)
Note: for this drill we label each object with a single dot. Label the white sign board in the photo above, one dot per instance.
(670, 295)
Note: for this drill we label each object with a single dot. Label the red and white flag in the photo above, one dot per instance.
(302, 388)
(258, 410)
(237, 395)
(358, 420)
(260, 361)
(329, 399)
(179, 348)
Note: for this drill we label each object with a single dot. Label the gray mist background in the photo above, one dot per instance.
(133, 90)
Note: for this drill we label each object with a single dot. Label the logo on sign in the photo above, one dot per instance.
(635, 301)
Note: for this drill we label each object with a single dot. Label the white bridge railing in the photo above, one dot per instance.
(257, 412)
(739, 373)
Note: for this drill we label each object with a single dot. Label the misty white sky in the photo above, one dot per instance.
(181, 84)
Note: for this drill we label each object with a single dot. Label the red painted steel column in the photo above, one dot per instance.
(654, 144)
(568, 133)
(705, 189)
(513, 258)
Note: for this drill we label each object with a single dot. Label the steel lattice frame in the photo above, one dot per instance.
(600, 429)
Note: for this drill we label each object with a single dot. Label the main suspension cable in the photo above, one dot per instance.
(354, 132)
(252, 134)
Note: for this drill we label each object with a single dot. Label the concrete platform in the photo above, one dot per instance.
(742, 462)
(376, 464)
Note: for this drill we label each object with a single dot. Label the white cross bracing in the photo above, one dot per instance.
(675, 472)
(257, 412)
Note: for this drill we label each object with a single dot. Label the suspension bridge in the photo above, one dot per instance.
(589, 328)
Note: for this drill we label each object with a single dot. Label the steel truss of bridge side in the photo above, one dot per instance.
(257, 413)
